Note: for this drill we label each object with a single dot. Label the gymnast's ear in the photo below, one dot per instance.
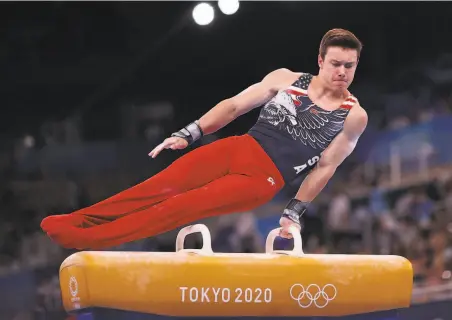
(320, 61)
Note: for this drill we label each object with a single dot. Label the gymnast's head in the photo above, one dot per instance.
(338, 58)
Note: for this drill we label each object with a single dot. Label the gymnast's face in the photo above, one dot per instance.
(338, 67)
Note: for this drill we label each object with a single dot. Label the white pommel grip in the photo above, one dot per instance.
(297, 242)
(206, 239)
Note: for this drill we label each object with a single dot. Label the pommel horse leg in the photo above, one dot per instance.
(203, 283)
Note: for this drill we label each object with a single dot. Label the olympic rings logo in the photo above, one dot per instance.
(313, 294)
(73, 286)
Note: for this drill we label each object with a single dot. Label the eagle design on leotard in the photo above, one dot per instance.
(292, 111)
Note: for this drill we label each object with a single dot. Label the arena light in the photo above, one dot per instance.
(228, 6)
(203, 14)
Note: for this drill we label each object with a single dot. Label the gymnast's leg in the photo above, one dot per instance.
(229, 194)
(191, 171)
(251, 180)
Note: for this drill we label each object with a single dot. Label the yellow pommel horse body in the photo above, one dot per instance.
(205, 283)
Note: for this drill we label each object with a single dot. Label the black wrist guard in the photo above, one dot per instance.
(295, 209)
(190, 133)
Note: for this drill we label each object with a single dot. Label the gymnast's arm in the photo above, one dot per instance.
(226, 111)
(339, 149)
(254, 96)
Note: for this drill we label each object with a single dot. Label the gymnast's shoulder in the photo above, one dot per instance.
(357, 117)
(283, 73)
(280, 78)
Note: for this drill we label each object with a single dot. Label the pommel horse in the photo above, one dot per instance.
(201, 282)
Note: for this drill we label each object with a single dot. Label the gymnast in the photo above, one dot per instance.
(308, 125)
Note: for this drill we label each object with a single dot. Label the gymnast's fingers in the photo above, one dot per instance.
(159, 148)
(285, 234)
(169, 143)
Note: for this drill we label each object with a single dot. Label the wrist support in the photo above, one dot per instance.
(295, 209)
(190, 133)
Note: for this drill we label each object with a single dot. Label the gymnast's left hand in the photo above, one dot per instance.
(286, 224)
(169, 143)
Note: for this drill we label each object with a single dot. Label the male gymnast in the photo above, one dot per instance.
(307, 127)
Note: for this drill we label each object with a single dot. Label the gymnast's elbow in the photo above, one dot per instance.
(230, 110)
(238, 108)
(327, 168)
(218, 117)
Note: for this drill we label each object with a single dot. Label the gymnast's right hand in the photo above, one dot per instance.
(286, 224)
(169, 143)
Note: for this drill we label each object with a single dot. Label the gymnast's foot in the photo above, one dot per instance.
(67, 219)
(63, 230)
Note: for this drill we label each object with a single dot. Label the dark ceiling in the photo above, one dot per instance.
(60, 57)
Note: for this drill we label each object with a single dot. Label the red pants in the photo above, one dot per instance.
(227, 176)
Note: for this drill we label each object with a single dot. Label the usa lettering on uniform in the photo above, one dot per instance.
(310, 163)
(225, 295)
